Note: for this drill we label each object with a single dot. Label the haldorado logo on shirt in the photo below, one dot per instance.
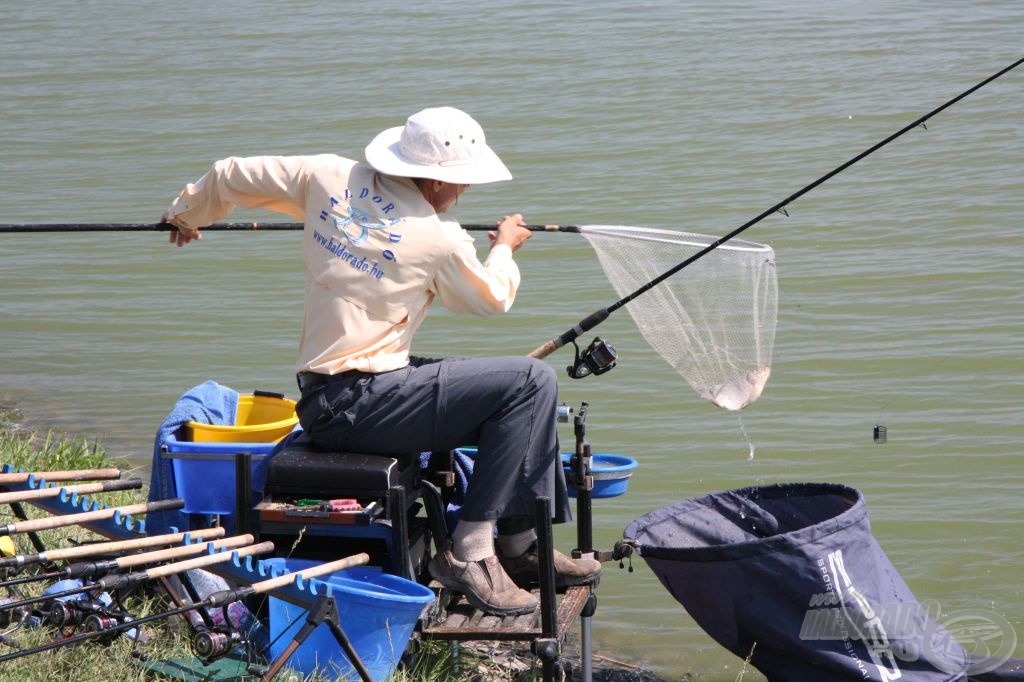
(355, 225)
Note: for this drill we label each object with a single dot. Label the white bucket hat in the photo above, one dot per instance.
(441, 143)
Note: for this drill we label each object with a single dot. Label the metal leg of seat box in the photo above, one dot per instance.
(401, 560)
(434, 502)
(324, 610)
(547, 647)
(243, 494)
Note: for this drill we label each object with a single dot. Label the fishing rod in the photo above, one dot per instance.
(67, 491)
(90, 570)
(215, 600)
(93, 549)
(219, 227)
(86, 517)
(123, 581)
(599, 316)
(16, 477)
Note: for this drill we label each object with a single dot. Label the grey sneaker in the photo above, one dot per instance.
(525, 569)
(485, 584)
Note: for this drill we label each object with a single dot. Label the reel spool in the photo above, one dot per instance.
(212, 644)
(598, 358)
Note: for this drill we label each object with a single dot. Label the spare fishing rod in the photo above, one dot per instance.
(18, 477)
(86, 517)
(90, 570)
(67, 491)
(93, 549)
(123, 581)
(215, 600)
(129, 580)
(220, 227)
(599, 316)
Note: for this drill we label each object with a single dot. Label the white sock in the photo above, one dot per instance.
(473, 540)
(516, 544)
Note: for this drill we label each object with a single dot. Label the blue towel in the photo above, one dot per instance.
(207, 403)
(262, 465)
(462, 462)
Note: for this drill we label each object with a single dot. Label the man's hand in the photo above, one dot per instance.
(184, 234)
(511, 231)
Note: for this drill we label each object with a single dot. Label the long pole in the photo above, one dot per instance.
(218, 227)
(599, 316)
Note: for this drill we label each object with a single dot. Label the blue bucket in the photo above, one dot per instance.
(204, 473)
(611, 473)
(377, 611)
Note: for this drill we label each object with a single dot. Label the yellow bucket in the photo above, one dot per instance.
(261, 418)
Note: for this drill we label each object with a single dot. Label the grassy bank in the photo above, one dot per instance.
(31, 451)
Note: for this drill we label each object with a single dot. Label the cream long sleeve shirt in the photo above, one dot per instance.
(376, 254)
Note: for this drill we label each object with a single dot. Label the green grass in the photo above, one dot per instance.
(166, 638)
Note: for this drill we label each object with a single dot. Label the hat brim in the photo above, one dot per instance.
(385, 155)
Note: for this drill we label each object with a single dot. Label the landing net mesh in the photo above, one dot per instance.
(713, 321)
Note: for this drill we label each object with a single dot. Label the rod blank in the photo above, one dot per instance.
(66, 553)
(216, 227)
(56, 491)
(86, 517)
(60, 476)
(311, 572)
(131, 560)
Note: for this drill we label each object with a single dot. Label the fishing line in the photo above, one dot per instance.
(880, 432)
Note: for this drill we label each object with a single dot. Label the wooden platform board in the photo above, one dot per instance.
(458, 620)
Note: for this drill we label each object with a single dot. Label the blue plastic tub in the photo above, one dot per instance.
(204, 473)
(378, 612)
(611, 473)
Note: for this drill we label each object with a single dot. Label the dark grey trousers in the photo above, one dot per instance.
(505, 406)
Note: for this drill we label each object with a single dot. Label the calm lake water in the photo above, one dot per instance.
(900, 280)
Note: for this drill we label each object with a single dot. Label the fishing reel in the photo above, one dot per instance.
(213, 644)
(103, 623)
(598, 358)
(69, 614)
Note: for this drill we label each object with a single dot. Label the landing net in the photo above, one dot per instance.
(714, 321)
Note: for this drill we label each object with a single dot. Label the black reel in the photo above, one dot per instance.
(64, 614)
(102, 623)
(212, 644)
(598, 358)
